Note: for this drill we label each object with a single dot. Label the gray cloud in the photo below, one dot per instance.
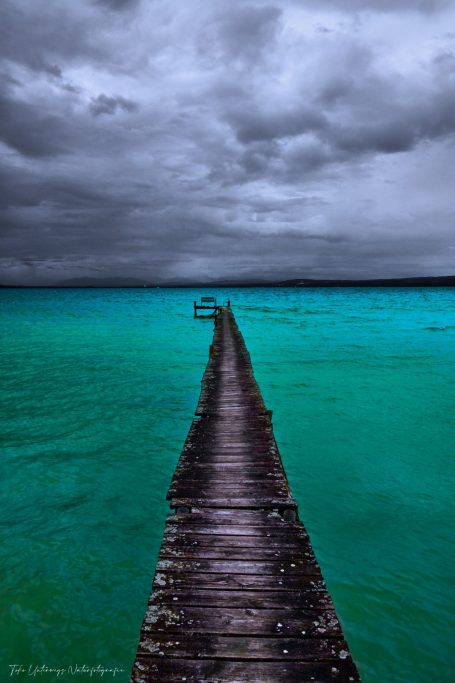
(28, 129)
(44, 36)
(426, 6)
(246, 30)
(254, 126)
(261, 139)
(103, 104)
(117, 4)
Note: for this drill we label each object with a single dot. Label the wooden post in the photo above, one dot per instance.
(290, 515)
(195, 309)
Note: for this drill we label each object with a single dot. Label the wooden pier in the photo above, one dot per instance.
(238, 596)
(208, 305)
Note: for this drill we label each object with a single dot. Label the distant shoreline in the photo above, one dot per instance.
(441, 281)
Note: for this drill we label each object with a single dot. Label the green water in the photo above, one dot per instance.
(98, 392)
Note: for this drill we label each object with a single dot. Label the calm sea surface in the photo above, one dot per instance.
(98, 392)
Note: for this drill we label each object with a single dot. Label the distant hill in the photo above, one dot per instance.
(443, 281)
(103, 282)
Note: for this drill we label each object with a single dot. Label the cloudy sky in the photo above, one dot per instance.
(170, 139)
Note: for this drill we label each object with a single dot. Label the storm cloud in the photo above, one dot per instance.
(176, 141)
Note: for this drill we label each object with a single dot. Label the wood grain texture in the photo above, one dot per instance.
(238, 595)
(170, 670)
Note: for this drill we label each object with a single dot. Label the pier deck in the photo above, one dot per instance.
(238, 595)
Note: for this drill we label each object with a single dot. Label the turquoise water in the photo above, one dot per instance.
(99, 388)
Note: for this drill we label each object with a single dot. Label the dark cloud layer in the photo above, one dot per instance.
(260, 139)
(103, 104)
(117, 4)
(426, 6)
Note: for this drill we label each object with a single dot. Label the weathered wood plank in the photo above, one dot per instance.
(233, 552)
(309, 598)
(216, 489)
(252, 502)
(238, 648)
(233, 530)
(307, 566)
(238, 517)
(246, 582)
(239, 621)
(164, 670)
(235, 469)
(288, 542)
(230, 479)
